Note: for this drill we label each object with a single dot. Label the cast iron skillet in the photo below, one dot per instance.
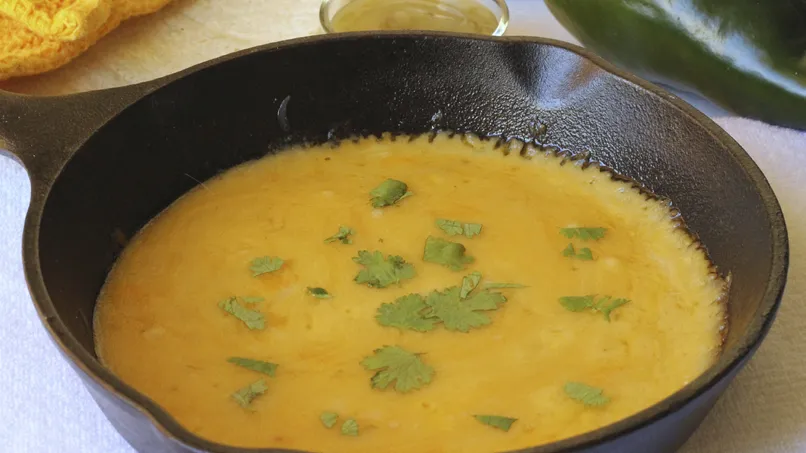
(103, 163)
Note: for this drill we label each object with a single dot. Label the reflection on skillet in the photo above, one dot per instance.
(409, 295)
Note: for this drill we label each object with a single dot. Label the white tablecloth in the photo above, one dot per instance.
(44, 408)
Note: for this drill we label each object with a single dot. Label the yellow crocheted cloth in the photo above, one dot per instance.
(40, 35)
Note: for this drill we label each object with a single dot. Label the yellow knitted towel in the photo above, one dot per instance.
(65, 20)
(40, 35)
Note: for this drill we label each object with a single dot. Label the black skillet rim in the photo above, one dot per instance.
(729, 361)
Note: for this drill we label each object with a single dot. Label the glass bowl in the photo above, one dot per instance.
(497, 8)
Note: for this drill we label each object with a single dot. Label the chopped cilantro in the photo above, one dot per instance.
(608, 304)
(457, 308)
(253, 319)
(254, 365)
(246, 395)
(577, 303)
(379, 272)
(462, 315)
(329, 419)
(406, 313)
(265, 265)
(469, 283)
(496, 421)
(472, 229)
(395, 364)
(585, 234)
(252, 300)
(454, 228)
(585, 394)
(388, 193)
(413, 312)
(319, 293)
(605, 305)
(349, 427)
(584, 254)
(451, 227)
(343, 235)
(503, 285)
(447, 253)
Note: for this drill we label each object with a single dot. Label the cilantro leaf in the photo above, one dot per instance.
(584, 254)
(503, 285)
(469, 283)
(455, 228)
(380, 272)
(265, 265)
(451, 227)
(472, 229)
(388, 193)
(463, 315)
(457, 308)
(577, 303)
(254, 365)
(608, 304)
(585, 234)
(246, 395)
(447, 253)
(349, 427)
(343, 235)
(605, 305)
(319, 293)
(406, 313)
(395, 364)
(585, 394)
(496, 421)
(252, 300)
(253, 319)
(329, 419)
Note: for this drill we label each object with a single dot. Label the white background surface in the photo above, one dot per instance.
(43, 406)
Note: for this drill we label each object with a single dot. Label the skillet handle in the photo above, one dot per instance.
(42, 133)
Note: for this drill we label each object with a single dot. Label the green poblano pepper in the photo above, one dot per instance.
(748, 56)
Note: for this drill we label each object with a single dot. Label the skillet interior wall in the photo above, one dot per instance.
(224, 115)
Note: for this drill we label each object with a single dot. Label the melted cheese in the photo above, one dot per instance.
(159, 328)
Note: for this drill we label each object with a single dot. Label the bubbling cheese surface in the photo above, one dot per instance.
(159, 327)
